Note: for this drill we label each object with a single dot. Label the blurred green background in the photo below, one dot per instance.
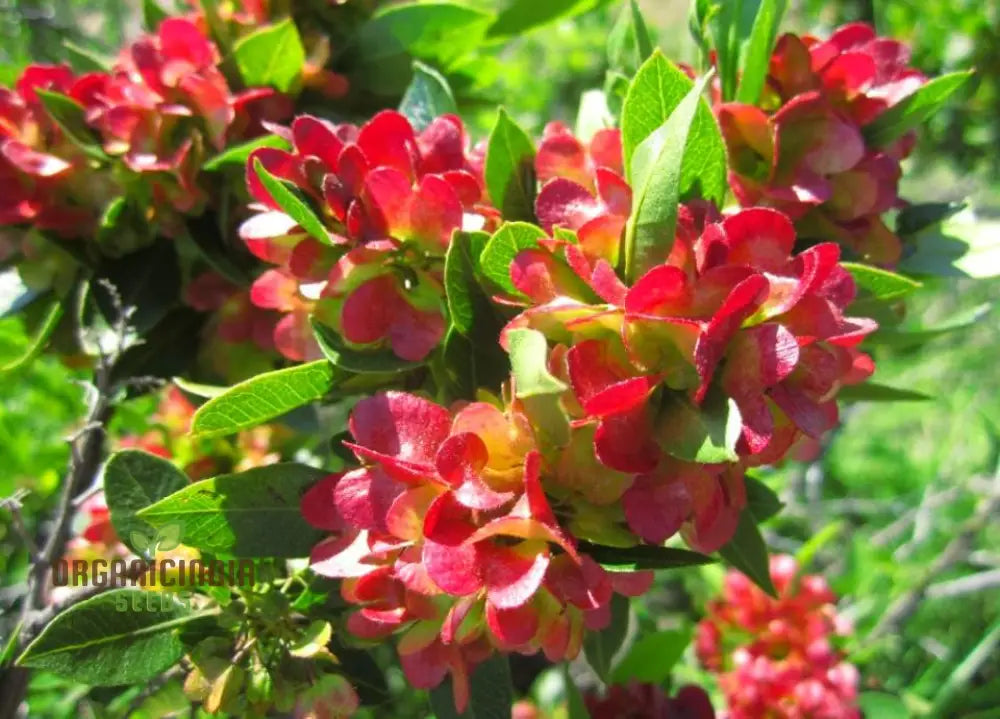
(895, 492)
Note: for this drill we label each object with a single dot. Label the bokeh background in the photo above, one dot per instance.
(892, 509)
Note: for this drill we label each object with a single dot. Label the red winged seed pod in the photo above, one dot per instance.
(734, 319)
(446, 539)
(774, 656)
(389, 199)
(802, 149)
(45, 179)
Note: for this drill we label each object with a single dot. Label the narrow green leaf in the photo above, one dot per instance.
(882, 705)
(908, 338)
(707, 433)
(529, 353)
(466, 298)
(236, 156)
(747, 552)
(152, 15)
(427, 97)
(600, 647)
(197, 389)
(643, 556)
(576, 708)
(873, 392)
(881, 283)
(134, 480)
(962, 246)
(914, 110)
(758, 51)
(723, 21)
(123, 636)
(250, 514)
(500, 251)
(761, 499)
(263, 398)
(914, 218)
(288, 199)
(629, 44)
(490, 693)
(85, 59)
(509, 169)
(42, 335)
(272, 55)
(70, 116)
(652, 658)
(521, 16)
(656, 175)
(357, 360)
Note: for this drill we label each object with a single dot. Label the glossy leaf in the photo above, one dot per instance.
(236, 156)
(503, 247)
(134, 480)
(757, 56)
(361, 361)
(706, 434)
(490, 693)
(643, 556)
(915, 109)
(652, 658)
(466, 299)
(120, 637)
(250, 514)
(747, 552)
(656, 166)
(510, 169)
(290, 200)
(263, 398)
(601, 647)
(882, 284)
(272, 55)
(427, 97)
(874, 392)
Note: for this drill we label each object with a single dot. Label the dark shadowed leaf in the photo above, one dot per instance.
(747, 552)
(643, 556)
(133, 480)
(652, 658)
(510, 169)
(600, 647)
(490, 693)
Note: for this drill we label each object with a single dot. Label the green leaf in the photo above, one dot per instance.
(197, 389)
(288, 198)
(427, 97)
(521, 16)
(629, 44)
(134, 480)
(747, 552)
(490, 693)
(152, 15)
(85, 59)
(874, 392)
(963, 246)
(722, 20)
(262, 398)
(652, 658)
(123, 636)
(510, 169)
(757, 58)
(250, 514)
(272, 55)
(881, 283)
(147, 280)
(236, 156)
(41, 338)
(529, 353)
(70, 116)
(467, 302)
(166, 351)
(908, 338)
(882, 705)
(706, 434)
(914, 218)
(381, 52)
(643, 556)
(761, 499)
(600, 647)
(503, 247)
(656, 165)
(914, 110)
(576, 708)
(360, 361)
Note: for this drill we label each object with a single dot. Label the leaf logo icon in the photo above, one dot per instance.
(168, 537)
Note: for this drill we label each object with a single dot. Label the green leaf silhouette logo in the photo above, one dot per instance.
(164, 539)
